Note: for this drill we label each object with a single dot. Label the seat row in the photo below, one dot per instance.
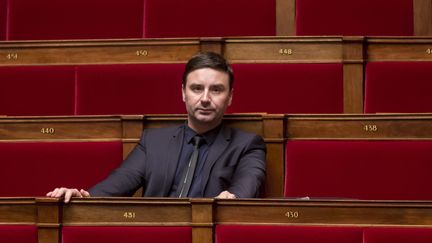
(376, 157)
(97, 220)
(50, 19)
(274, 75)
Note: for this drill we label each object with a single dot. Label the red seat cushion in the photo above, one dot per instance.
(359, 17)
(18, 234)
(199, 18)
(75, 19)
(136, 234)
(130, 89)
(398, 87)
(291, 234)
(33, 169)
(40, 90)
(288, 88)
(397, 235)
(382, 170)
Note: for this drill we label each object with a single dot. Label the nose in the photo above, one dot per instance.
(205, 98)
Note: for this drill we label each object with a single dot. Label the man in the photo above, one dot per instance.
(202, 158)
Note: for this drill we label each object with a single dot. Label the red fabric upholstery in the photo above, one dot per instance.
(3, 14)
(78, 234)
(18, 233)
(291, 234)
(360, 17)
(33, 169)
(75, 19)
(48, 90)
(199, 18)
(130, 89)
(397, 235)
(288, 88)
(398, 87)
(382, 170)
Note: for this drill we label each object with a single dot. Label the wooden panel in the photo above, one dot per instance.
(133, 211)
(60, 128)
(353, 74)
(17, 211)
(49, 219)
(399, 49)
(316, 212)
(371, 127)
(422, 17)
(285, 17)
(97, 51)
(284, 50)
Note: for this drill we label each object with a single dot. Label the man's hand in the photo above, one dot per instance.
(67, 193)
(226, 195)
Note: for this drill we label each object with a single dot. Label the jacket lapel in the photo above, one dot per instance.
(172, 158)
(216, 150)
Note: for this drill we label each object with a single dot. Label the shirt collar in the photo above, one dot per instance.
(209, 136)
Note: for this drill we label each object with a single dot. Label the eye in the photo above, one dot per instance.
(196, 88)
(217, 89)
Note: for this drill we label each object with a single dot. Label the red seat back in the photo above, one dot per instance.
(75, 19)
(18, 233)
(130, 89)
(291, 234)
(34, 168)
(3, 11)
(359, 17)
(397, 235)
(37, 90)
(134, 234)
(199, 18)
(382, 170)
(398, 87)
(288, 88)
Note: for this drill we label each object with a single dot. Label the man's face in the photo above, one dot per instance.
(207, 95)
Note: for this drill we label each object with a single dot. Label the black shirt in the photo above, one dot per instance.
(197, 186)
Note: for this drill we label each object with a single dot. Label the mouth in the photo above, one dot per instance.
(202, 110)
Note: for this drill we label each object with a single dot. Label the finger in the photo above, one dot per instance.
(221, 195)
(84, 193)
(54, 192)
(60, 192)
(69, 193)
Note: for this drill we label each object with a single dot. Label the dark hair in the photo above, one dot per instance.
(208, 60)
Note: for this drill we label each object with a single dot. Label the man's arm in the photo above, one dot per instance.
(127, 178)
(123, 181)
(250, 172)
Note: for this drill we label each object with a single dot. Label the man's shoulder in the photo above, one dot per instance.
(237, 134)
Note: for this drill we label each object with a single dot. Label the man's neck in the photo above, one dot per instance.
(201, 128)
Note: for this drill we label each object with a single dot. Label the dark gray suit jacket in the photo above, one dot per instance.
(236, 162)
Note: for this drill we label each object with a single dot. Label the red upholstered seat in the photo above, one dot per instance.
(3, 11)
(291, 234)
(18, 233)
(135, 234)
(130, 89)
(199, 18)
(383, 170)
(397, 235)
(75, 19)
(44, 90)
(32, 168)
(398, 87)
(288, 88)
(359, 17)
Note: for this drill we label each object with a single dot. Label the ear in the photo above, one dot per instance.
(183, 94)
(230, 97)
